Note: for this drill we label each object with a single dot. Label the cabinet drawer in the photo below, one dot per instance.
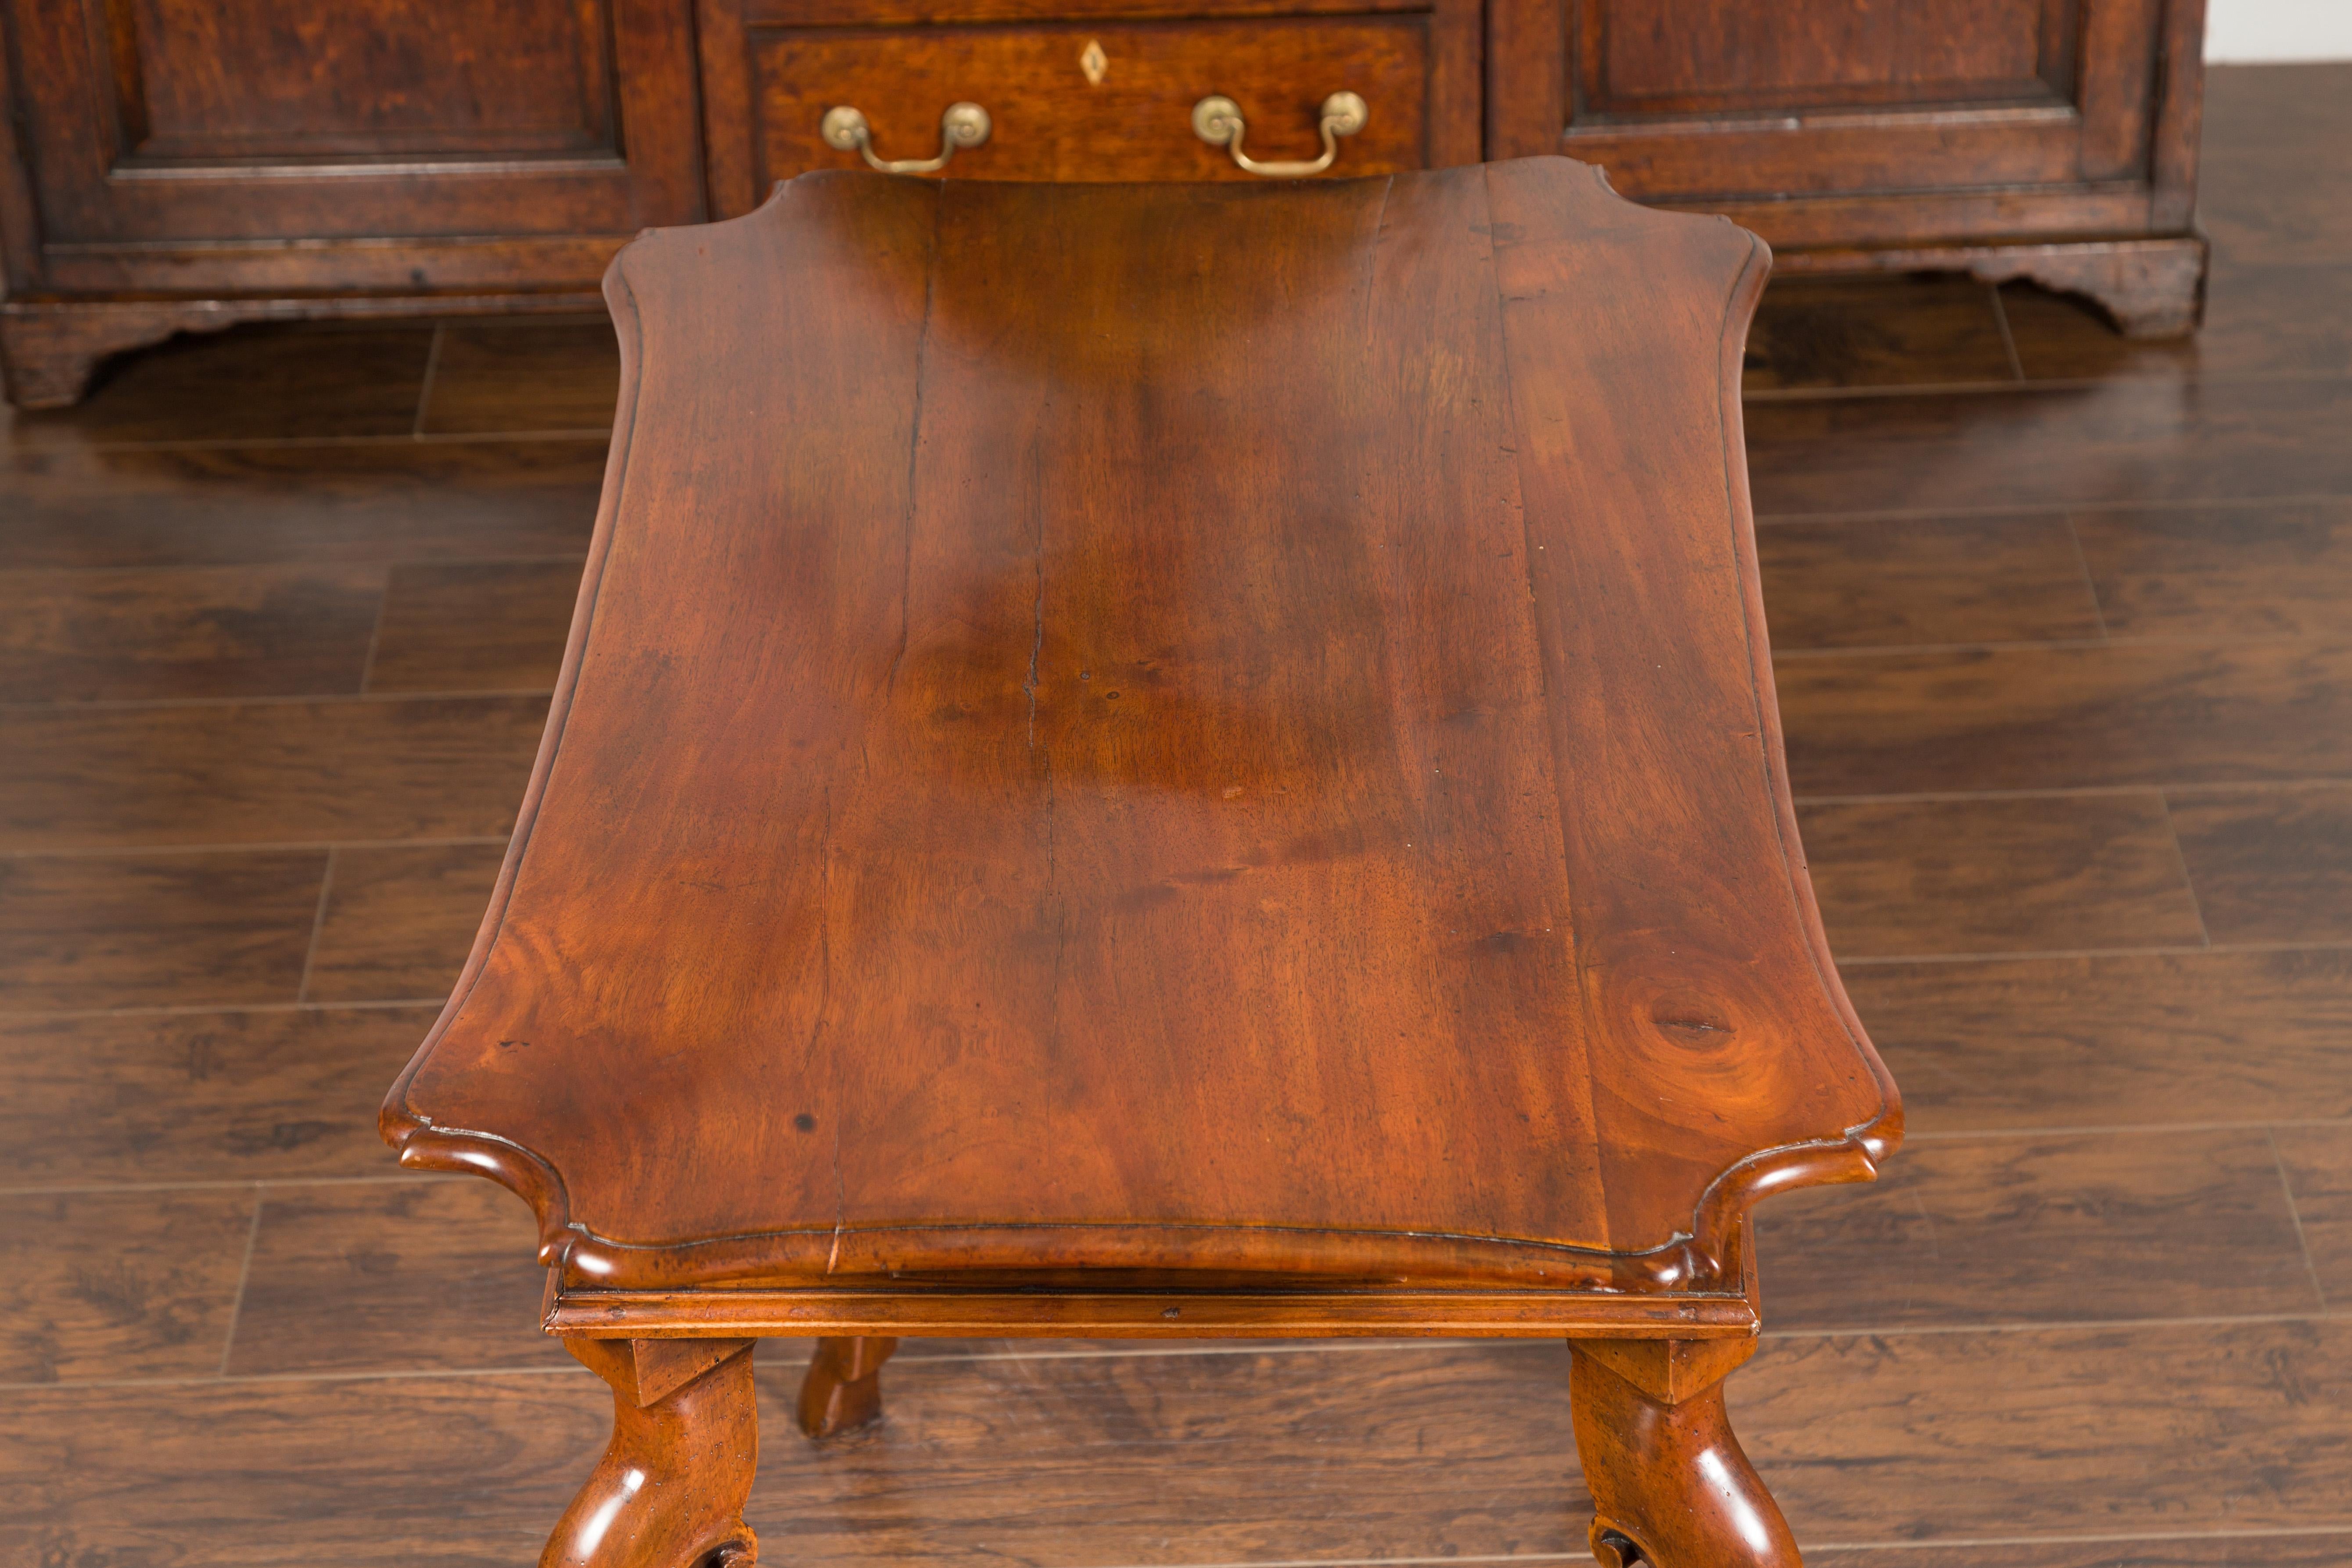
(1052, 121)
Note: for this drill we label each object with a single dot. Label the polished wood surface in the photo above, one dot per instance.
(1648, 1412)
(1130, 794)
(860, 953)
(2050, 1344)
(685, 1442)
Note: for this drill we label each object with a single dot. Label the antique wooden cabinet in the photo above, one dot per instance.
(172, 165)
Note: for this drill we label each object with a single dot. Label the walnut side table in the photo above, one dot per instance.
(1162, 761)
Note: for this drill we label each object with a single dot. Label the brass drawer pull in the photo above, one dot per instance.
(1218, 122)
(963, 125)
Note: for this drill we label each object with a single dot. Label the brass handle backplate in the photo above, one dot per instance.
(1218, 122)
(963, 125)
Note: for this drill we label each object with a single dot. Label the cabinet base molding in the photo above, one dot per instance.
(49, 349)
(2147, 288)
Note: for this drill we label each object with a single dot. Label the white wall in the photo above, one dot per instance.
(2278, 30)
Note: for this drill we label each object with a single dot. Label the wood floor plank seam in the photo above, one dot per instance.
(119, 851)
(1293, 1348)
(375, 633)
(1384, 1561)
(64, 1015)
(2295, 1213)
(425, 384)
(2152, 1537)
(2308, 783)
(2046, 1326)
(7, 573)
(1986, 388)
(244, 1274)
(2082, 561)
(401, 1374)
(318, 924)
(2057, 508)
(1897, 1543)
(2091, 953)
(322, 699)
(69, 1189)
(2035, 645)
(1226, 1349)
(1879, 393)
(2089, 1130)
(2008, 336)
(189, 1009)
(290, 443)
(2171, 831)
(1391, 1562)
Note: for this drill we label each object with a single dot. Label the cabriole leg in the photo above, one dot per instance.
(843, 1389)
(1670, 1487)
(670, 1489)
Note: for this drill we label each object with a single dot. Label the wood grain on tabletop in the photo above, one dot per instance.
(1218, 736)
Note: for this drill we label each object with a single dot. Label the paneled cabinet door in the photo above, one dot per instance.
(174, 146)
(1839, 122)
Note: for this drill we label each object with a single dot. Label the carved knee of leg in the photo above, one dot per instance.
(670, 1489)
(1670, 1486)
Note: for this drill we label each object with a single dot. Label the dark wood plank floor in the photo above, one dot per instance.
(2065, 627)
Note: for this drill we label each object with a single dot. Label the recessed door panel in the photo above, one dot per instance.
(212, 123)
(231, 79)
(1733, 105)
(1693, 56)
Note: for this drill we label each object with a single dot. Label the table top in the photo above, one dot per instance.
(1163, 732)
